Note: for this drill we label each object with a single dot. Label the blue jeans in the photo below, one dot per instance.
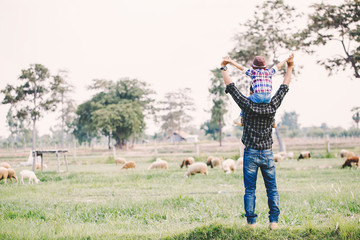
(259, 98)
(253, 160)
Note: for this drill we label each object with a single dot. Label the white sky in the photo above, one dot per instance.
(169, 44)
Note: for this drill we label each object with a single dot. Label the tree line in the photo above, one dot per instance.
(118, 109)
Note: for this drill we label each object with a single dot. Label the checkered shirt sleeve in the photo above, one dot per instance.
(258, 117)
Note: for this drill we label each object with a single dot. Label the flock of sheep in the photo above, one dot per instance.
(7, 172)
(228, 165)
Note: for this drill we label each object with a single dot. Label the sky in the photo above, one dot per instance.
(168, 44)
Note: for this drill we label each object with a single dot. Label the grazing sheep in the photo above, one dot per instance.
(214, 161)
(228, 166)
(159, 164)
(11, 175)
(346, 153)
(38, 166)
(290, 155)
(120, 160)
(28, 174)
(4, 174)
(129, 165)
(197, 167)
(304, 155)
(187, 161)
(5, 165)
(239, 162)
(354, 160)
(278, 157)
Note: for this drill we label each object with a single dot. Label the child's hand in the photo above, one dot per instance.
(227, 59)
(290, 60)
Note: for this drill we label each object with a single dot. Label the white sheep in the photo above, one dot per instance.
(120, 160)
(228, 166)
(197, 167)
(38, 166)
(159, 164)
(346, 153)
(239, 162)
(28, 174)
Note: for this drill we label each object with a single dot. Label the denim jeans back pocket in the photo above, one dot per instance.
(270, 160)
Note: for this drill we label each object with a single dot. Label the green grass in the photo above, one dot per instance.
(318, 200)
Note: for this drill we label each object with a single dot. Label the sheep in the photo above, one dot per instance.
(346, 153)
(159, 164)
(11, 174)
(120, 160)
(38, 166)
(129, 165)
(214, 161)
(290, 155)
(5, 165)
(187, 161)
(278, 157)
(28, 174)
(354, 160)
(239, 162)
(197, 167)
(228, 166)
(4, 174)
(304, 155)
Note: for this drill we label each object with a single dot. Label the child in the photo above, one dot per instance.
(261, 80)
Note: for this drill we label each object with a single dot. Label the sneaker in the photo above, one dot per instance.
(239, 121)
(273, 225)
(251, 225)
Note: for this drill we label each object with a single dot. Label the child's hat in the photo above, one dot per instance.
(259, 62)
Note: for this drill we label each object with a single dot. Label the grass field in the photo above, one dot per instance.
(318, 200)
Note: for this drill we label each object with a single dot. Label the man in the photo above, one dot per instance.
(257, 138)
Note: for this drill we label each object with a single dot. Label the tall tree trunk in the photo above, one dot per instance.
(62, 121)
(220, 131)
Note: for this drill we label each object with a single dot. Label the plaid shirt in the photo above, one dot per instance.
(261, 79)
(258, 117)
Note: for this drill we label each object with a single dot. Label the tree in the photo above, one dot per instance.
(331, 23)
(62, 88)
(175, 110)
(218, 110)
(290, 119)
(270, 32)
(117, 111)
(33, 98)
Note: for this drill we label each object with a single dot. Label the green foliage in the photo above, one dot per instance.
(332, 23)
(34, 97)
(117, 111)
(290, 119)
(175, 110)
(218, 110)
(270, 32)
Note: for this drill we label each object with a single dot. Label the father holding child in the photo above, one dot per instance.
(257, 138)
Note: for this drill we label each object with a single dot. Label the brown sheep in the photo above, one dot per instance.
(4, 174)
(214, 161)
(120, 161)
(11, 174)
(129, 165)
(304, 155)
(346, 153)
(351, 161)
(278, 157)
(187, 161)
(5, 165)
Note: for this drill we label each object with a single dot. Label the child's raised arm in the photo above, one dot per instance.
(281, 64)
(229, 60)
